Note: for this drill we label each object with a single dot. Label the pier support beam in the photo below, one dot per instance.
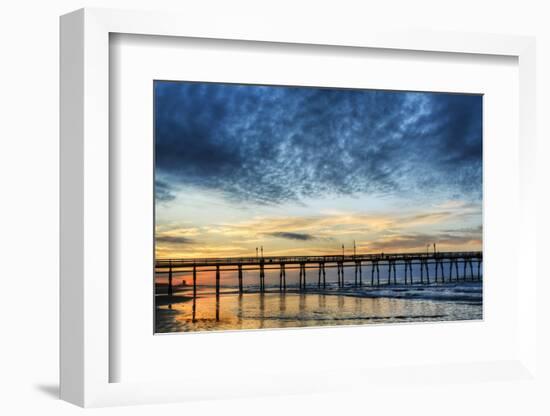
(375, 267)
(170, 285)
(319, 279)
(240, 278)
(427, 271)
(479, 270)
(360, 274)
(194, 282)
(262, 275)
(408, 265)
(442, 271)
(324, 277)
(217, 281)
(455, 262)
(372, 274)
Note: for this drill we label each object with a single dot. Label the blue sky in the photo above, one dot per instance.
(305, 170)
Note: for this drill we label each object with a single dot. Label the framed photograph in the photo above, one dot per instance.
(245, 214)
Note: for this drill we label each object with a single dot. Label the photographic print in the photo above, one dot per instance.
(290, 206)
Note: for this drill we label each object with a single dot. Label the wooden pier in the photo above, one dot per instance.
(444, 262)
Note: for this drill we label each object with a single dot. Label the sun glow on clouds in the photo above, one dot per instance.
(452, 225)
(305, 170)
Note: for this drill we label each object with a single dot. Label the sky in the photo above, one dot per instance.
(300, 170)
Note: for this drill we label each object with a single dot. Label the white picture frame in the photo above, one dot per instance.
(85, 211)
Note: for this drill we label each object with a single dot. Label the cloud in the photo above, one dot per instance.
(163, 192)
(172, 239)
(293, 236)
(468, 230)
(420, 241)
(269, 145)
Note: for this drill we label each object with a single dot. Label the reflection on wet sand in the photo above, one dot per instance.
(230, 311)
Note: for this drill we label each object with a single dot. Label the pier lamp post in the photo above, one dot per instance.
(343, 250)
(256, 252)
(354, 249)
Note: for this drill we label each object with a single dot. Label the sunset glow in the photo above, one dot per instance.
(305, 171)
(282, 207)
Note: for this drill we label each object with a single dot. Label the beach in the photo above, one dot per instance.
(453, 301)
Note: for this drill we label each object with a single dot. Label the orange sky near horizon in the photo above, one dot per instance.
(453, 226)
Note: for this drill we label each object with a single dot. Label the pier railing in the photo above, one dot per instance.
(232, 261)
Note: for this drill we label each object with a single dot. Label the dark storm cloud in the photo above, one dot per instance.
(176, 240)
(276, 144)
(411, 241)
(293, 236)
(163, 192)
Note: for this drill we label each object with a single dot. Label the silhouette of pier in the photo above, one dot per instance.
(445, 263)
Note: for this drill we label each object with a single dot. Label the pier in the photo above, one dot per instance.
(382, 268)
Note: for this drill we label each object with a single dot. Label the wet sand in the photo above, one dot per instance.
(255, 310)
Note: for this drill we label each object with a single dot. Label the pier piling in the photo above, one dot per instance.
(170, 286)
(240, 278)
(172, 268)
(194, 282)
(427, 272)
(262, 276)
(217, 281)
